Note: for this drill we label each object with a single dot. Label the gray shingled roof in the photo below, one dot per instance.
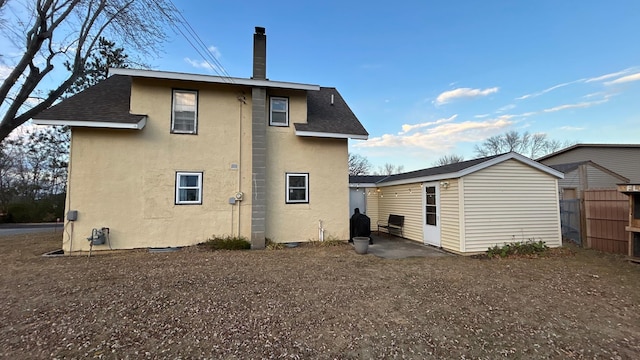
(365, 179)
(565, 168)
(568, 167)
(107, 101)
(438, 170)
(323, 117)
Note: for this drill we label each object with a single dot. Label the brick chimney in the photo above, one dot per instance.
(259, 54)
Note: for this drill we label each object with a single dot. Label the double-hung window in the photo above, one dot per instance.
(188, 188)
(184, 115)
(279, 113)
(297, 188)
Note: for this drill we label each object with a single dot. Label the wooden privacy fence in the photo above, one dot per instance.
(606, 214)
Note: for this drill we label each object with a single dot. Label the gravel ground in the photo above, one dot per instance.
(313, 302)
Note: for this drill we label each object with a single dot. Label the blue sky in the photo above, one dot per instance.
(430, 78)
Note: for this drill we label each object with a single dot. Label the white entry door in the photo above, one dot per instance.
(431, 213)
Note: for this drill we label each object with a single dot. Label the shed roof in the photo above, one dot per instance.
(105, 104)
(366, 179)
(461, 169)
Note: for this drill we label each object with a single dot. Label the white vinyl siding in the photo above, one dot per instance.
(450, 216)
(372, 207)
(184, 114)
(405, 200)
(510, 202)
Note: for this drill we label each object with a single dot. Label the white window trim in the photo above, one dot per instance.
(178, 188)
(271, 111)
(306, 193)
(173, 111)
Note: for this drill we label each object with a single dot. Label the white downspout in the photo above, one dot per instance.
(320, 231)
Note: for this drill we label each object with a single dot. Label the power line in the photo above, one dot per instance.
(209, 58)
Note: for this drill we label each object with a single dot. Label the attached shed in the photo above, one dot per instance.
(584, 175)
(470, 206)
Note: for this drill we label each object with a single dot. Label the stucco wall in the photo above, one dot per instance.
(326, 162)
(125, 179)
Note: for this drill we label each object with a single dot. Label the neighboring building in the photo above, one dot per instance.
(470, 206)
(622, 159)
(584, 175)
(170, 159)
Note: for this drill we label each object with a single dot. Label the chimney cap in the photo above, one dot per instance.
(259, 30)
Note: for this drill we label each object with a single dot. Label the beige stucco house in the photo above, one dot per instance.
(469, 206)
(164, 159)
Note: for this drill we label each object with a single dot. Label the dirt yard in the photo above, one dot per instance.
(313, 302)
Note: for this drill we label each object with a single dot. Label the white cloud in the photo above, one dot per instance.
(570, 128)
(547, 90)
(505, 108)
(201, 64)
(214, 51)
(406, 127)
(608, 76)
(442, 136)
(447, 96)
(585, 104)
(481, 116)
(625, 79)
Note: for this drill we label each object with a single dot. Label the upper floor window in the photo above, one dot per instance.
(184, 118)
(188, 188)
(279, 114)
(297, 188)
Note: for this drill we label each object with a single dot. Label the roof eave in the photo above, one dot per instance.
(477, 167)
(362, 185)
(331, 135)
(94, 124)
(212, 79)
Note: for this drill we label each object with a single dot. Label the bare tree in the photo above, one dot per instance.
(358, 164)
(389, 169)
(448, 159)
(55, 31)
(531, 145)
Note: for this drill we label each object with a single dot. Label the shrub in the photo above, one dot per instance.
(529, 247)
(273, 245)
(227, 243)
(329, 241)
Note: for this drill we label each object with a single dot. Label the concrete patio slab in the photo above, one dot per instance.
(398, 248)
